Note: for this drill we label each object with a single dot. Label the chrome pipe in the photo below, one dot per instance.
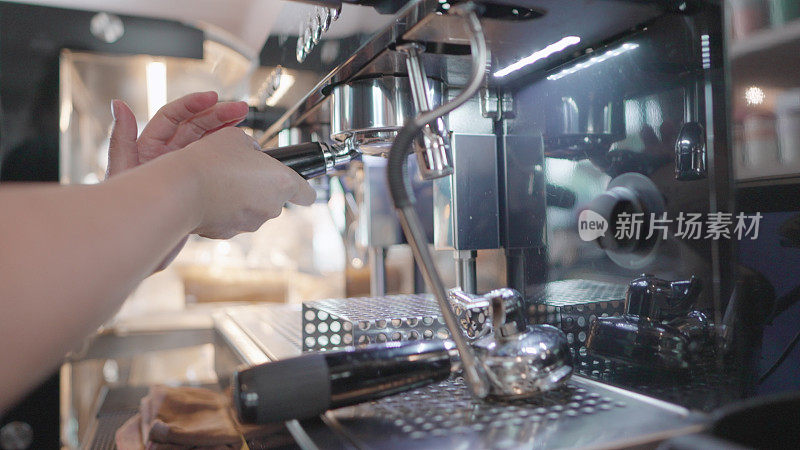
(474, 372)
(467, 270)
(434, 156)
(377, 271)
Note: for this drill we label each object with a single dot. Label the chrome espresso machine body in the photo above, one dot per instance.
(599, 129)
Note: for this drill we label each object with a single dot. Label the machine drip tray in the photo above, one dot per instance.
(581, 414)
(585, 413)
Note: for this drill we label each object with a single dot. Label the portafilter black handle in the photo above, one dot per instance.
(309, 159)
(308, 385)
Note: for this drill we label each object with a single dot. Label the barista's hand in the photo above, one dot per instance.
(238, 187)
(176, 125)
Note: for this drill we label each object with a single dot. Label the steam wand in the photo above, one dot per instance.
(474, 373)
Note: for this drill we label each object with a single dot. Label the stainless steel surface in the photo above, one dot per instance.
(466, 270)
(573, 305)
(368, 112)
(377, 271)
(259, 333)
(433, 158)
(377, 221)
(466, 209)
(336, 156)
(584, 413)
(472, 312)
(333, 323)
(524, 195)
(364, 44)
(557, 131)
(521, 360)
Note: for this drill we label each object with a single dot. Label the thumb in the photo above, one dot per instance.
(123, 153)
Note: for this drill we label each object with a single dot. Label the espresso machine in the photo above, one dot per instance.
(545, 130)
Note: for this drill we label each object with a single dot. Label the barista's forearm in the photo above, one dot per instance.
(71, 254)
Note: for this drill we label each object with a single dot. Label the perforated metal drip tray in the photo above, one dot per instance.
(585, 413)
(582, 414)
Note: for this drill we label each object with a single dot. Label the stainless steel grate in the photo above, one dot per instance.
(445, 416)
(448, 407)
(107, 426)
(335, 323)
(572, 306)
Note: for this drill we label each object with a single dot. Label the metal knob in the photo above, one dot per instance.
(690, 152)
(658, 299)
(659, 330)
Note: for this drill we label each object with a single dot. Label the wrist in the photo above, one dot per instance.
(187, 185)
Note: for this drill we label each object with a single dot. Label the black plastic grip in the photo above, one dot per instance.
(306, 159)
(308, 385)
(294, 388)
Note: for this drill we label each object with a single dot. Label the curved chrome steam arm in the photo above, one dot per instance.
(474, 372)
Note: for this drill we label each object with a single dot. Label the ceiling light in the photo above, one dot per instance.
(156, 87)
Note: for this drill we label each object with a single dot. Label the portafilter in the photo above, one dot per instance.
(366, 114)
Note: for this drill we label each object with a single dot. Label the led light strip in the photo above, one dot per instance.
(551, 49)
(594, 60)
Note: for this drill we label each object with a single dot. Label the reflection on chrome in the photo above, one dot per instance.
(539, 55)
(594, 60)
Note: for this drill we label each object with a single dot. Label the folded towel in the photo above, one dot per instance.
(173, 418)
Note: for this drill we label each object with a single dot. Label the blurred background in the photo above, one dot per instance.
(765, 115)
(62, 67)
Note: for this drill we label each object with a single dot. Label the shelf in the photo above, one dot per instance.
(770, 57)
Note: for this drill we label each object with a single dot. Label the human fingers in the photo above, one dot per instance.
(306, 195)
(165, 122)
(211, 119)
(122, 149)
